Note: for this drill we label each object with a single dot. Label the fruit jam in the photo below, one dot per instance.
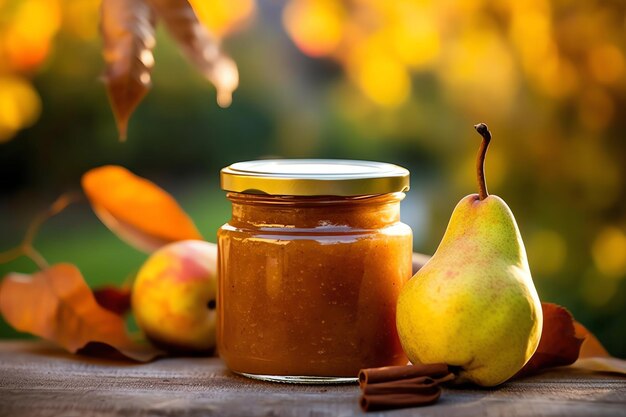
(308, 285)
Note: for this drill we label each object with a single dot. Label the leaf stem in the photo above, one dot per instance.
(55, 208)
(36, 257)
(11, 254)
(26, 248)
(483, 130)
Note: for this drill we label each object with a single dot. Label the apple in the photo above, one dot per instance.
(174, 296)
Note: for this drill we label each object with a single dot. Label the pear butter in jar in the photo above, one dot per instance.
(310, 267)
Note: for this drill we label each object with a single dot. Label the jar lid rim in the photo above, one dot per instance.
(310, 177)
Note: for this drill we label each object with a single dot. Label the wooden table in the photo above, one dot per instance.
(37, 379)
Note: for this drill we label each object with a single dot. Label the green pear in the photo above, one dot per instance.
(474, 306)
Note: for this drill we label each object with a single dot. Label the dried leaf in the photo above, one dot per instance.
(56, 304)
(594, 357)
(201, 48)
(559, 344)
(602, 364)
(127, 28)
(135, 209)
(114, 299)
(591, 346)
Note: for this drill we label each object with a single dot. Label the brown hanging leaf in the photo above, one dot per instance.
(57, 305)
(114, 299)
(202, 49)
(127, 28)
(559, 344)
(137, 210)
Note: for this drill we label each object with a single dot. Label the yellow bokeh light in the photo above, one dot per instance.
(479, 73)
(19, 105)
(223, 16)
(415, 39)
(25, 54)
(609, 252)
(384, 81)
(530, 33)
(79, 17)
(378, 74)
(37, 18)
(28, 34)
(316, 26)
(479, 50)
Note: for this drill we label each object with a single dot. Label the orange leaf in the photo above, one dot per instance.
(559, 344)
(202, 49)
(135, 209)
(127, 28)
(56, 304)
(594, 357)
(602, 364)
(591, 346)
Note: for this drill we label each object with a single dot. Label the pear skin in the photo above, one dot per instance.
(474, 305)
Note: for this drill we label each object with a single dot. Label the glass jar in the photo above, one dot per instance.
(310, 268)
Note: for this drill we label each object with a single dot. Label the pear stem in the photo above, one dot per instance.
(483, 130)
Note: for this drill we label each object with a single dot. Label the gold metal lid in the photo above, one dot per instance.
(314, 177)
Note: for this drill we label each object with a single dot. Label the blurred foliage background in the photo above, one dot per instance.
(400, 81)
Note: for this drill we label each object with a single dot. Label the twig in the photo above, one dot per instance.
(26, 248)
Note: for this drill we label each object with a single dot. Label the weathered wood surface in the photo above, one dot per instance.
(39, 380)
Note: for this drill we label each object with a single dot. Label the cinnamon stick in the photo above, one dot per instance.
(394, 401)
(402, 386)
(394, 373)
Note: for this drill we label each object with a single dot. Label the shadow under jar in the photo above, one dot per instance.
(310, 268)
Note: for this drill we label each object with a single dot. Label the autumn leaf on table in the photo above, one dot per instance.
(137, 210)
(591, 346)
(57, 305)
(564, 341)
(127, 28)
(594, 357)
(201, 48)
